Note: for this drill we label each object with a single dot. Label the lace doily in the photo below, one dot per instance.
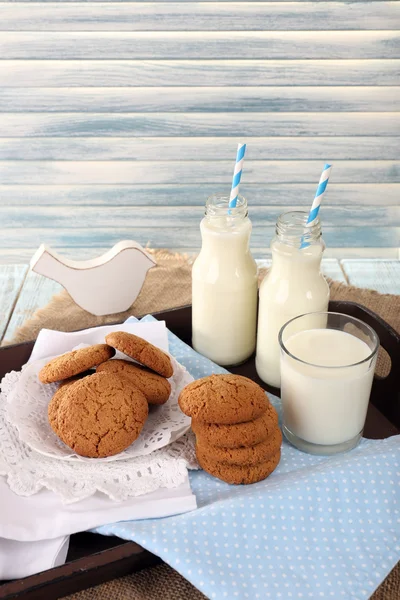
(27, 471)
(27, 411)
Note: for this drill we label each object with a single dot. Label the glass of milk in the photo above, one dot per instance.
(294, 285)
(224, 284)
(327, 367)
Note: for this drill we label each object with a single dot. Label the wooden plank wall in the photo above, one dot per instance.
(119, 118)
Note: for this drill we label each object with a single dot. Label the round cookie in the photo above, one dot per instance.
(156, 388)
(246, 455)
(238, 473)
(141, 351)
(224, 399)
(70, 364)
(235, 436)
(101, 415)
(52, 409)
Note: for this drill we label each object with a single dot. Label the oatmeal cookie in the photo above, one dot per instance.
(238, 474)
(70, 364)
(142, 351)
(224, 399)
(101, 415)
(241, 434)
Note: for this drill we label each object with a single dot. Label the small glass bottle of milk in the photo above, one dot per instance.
(224, 284)
(294, 285)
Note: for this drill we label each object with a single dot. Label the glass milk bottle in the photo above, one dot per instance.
(224, 284)
(294, 285)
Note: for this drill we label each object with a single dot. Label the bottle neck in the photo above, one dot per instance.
(292, 230)
(220, 215)
(225, 229)
(297, 249)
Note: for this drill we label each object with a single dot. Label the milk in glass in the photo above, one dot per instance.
(224, 285)
(326, 379)
(293, 286)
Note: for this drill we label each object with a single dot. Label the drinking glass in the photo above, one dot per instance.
(327, 368)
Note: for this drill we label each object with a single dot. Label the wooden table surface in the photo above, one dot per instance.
(23, 292)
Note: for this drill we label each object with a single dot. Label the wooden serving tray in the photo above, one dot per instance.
(93, 559)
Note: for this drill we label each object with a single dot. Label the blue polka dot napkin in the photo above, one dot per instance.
(318, 527)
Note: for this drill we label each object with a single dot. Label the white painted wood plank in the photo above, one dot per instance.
(167, 149)
(36, 293)
(63, 217)
(11, 280)
(280, 195)
(18, 255)
(159, 236)
(196, 16)
(331, 268)
(201, 99)
(197, 124)
(198, 45)
(129, 172)
(137, 73)
(364, 253)
(380, 275)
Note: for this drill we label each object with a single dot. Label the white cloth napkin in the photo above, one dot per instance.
(52, 343)
(21, 559)
(34, 530)
(43, 515)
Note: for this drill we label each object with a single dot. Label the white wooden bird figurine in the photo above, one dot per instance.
(104, 285)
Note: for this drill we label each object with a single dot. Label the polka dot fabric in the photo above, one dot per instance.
(318, 527)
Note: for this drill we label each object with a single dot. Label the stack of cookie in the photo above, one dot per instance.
(101, 414)
(238, 438)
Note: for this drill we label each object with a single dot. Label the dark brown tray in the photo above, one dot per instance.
(93, 559)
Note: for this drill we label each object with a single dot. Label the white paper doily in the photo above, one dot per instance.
(27, 411)
(27, 471)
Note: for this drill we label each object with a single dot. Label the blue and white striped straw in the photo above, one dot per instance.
(319, 194)
(323, 182)
(237, 174)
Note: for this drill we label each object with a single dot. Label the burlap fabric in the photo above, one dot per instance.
(168, 285)
(163, 583)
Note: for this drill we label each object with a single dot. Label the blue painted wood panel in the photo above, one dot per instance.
(202, 99)
(100, 217)
(11, 281)
(200, 44)
(266, 194)
(89, 235)
(380, 275)
(186, 172)
(231, 124)
(118, 119)
(195, 16)
(204, 148)
(35, 293)
(176, 73)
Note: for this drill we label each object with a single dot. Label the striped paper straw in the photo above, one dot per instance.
(237, 174)
(323, 182)
(319, 194)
